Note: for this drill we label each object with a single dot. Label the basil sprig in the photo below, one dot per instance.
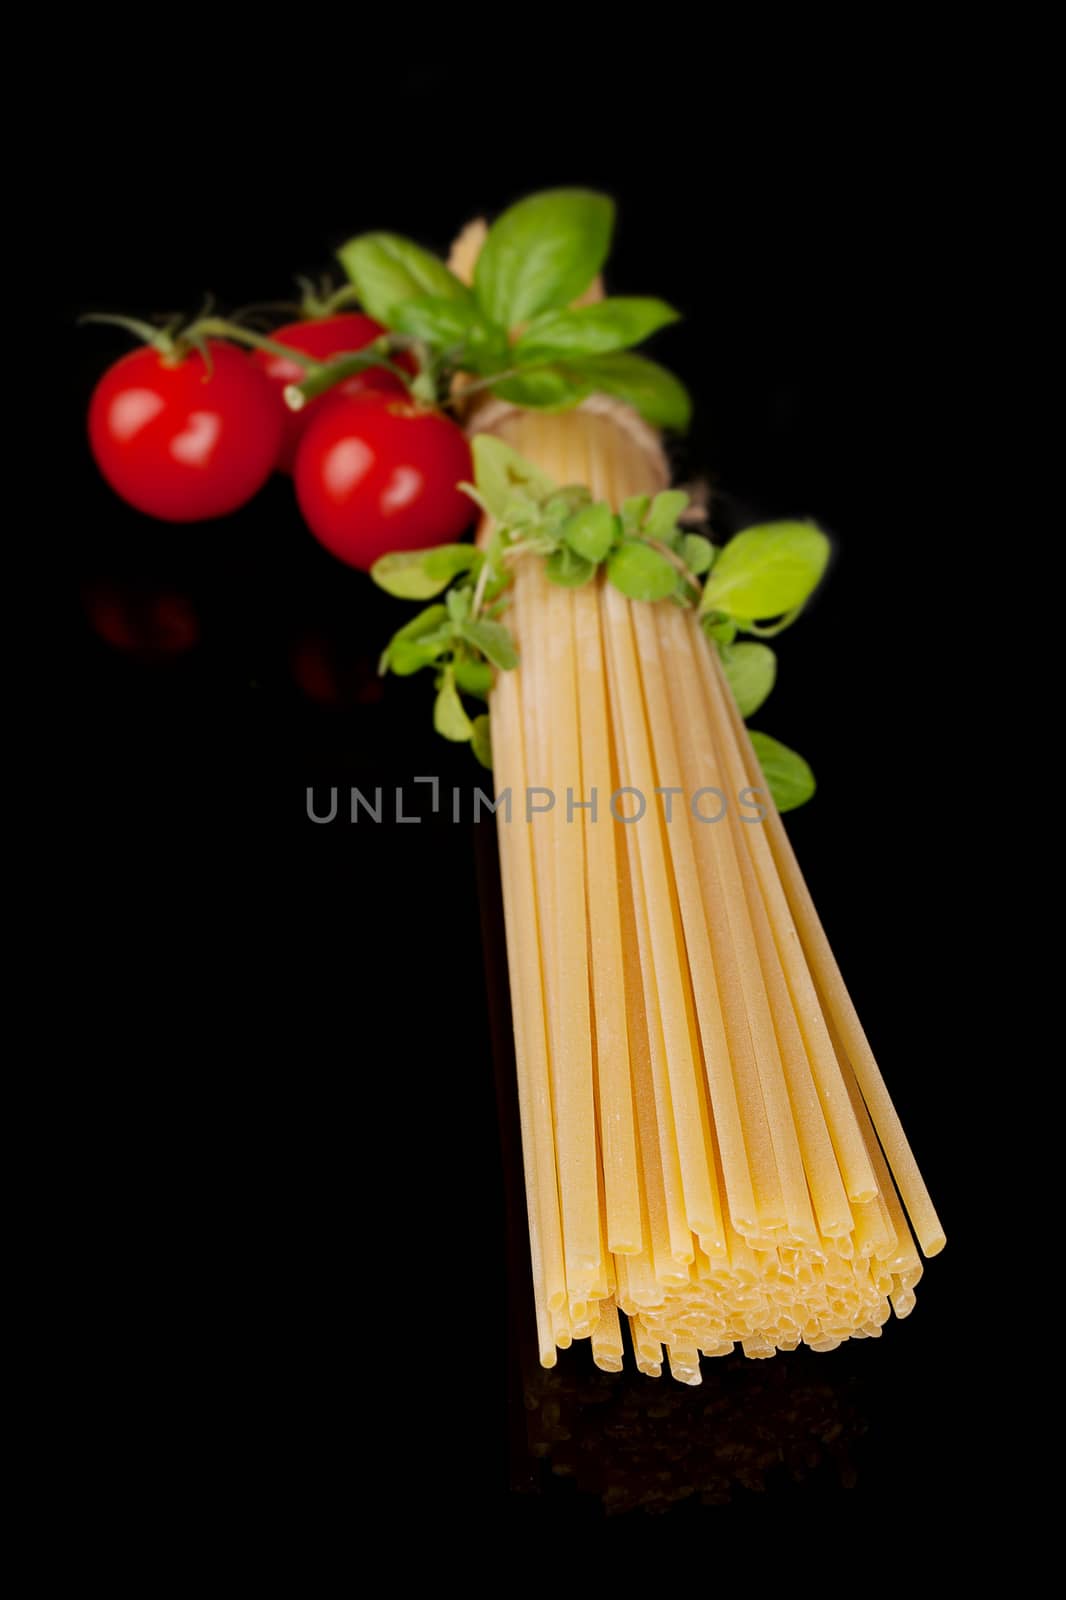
(516, 330)
(758, 583)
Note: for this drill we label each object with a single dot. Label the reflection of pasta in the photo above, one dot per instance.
(696, 1092)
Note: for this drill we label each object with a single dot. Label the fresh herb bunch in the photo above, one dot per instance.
(757, 584)
(515, 332)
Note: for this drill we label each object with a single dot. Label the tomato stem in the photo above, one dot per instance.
(325, 374)
(323, 300)
(347, 295)
(255, 308)
(312, 304)
(159, 338)
(219, 328)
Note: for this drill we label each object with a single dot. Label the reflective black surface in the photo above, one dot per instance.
(299, 1246)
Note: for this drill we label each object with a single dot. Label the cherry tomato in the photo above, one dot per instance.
(323, 338)
(374, 474)
(180, 439)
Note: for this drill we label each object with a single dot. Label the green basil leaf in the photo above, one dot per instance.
(554, 388)
(387, 269)
(767, 570)
(697, 553)
(568, 569)
(544, 251)
(437, 320)
(420, 574)
(660, 398)
(449, 718)
(665, 510)
(789, 778)
(474, 677)
(481, 740)
(455, 327)
(591, 531)
(505, 479)
(750, 670)
(640, 572)
(493, 640)
(592, 330)
(487, 350)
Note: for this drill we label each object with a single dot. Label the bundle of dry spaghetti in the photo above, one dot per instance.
(709, 1146)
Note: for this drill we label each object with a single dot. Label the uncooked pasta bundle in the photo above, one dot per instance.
(710, 1150)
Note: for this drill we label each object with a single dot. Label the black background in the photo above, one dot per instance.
(291, 1238)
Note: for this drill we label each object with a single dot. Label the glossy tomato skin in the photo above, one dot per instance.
(181, 440)
(322, 338)
(374, 474)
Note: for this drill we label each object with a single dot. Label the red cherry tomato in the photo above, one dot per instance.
(374, 474)
(323, 338)
(180, 439)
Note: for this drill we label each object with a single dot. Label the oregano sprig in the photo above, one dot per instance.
(757, 584)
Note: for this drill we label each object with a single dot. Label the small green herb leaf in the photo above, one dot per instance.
(594, 330)
(411, 655)
(417, 643)
(665, 510)
(750, 670)
(722, 630)
(449, 718)
(790, 779)
(458, 603)
(387, 269)
(438, 320)
(769, 630)
(640, 572)
(697, 553)
(557, 511)
(503, 477)
(542, 252)
(474, 677)
(425, 622)
(591, 531)
(567, 499)
(552, 388)
(420, 574)
(568, 569)
(481, 740)
(634, 510)
(493, 640)
(767, 570)
(660, 398)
